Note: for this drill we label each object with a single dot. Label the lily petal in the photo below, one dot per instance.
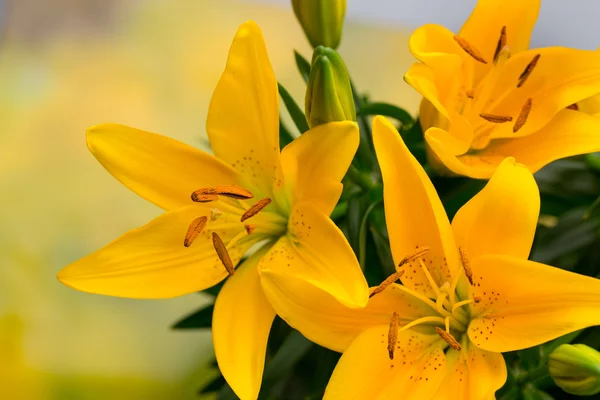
(524, 303)
(316, 251)
(159, 169)
(438, 95)
(501, 219)
(152, 262)
(561, 77)
(323, 155)
(482, 29)
(243, 117)
(474, 166)
(365, 370)
(327, 322)
(569, 133)
(473, 374)
(241, 324)
(414, 213)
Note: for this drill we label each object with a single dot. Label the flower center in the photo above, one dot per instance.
(449, 318)
(476, 102)
(233, 200)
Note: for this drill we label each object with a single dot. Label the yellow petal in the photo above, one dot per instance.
(501, 219)
(569, 133)
(561, 77)
(327, 322)
(414, 213)
(482, 29)
(316, 251)
(472, 374)
(241, 324)
(321, 158)
(473, 166)
(152, 262)
(159, 169)
(365, 370)
(243, 117)
(591, 105)
(524, 303)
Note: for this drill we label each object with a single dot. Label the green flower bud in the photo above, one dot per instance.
(322, 20)
(576, 369)
(329, 93)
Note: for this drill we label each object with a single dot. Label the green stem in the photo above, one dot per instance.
(359, 178)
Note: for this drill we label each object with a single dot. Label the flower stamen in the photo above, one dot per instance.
(200, 197)
(448, 338)
(392, 335)
(498, 119)
(573, 106)
(523, 115)
(462, 303)
(255, 209)
(432, 283)
(470, 50)
(466, 265)
(195, 228)
(501, 44)
(234, 192)
(249, 229)
(222, 253)
(528, 70)
(387, 282)
(419, 252)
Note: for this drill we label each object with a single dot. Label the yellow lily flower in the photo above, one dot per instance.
(248, 195)
(487, 97)
(468, 292)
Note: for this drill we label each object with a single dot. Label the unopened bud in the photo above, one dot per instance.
(576, 369)
(329, 93)
(321, 20)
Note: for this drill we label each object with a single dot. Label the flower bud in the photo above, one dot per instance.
(576, 369)
(321, 20)
(329, 93)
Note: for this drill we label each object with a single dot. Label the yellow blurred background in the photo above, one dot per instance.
(69, 64)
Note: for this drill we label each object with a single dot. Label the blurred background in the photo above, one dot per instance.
(68, 64)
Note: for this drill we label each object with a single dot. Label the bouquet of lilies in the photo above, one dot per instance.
(366, 254)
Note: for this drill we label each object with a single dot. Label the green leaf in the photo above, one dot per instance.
(293, 349)
(362, 235)
(285, 136)
(303, 66)
(530, 392)
(388, 110)
(295, 111)
(197, 320)
(214, 385)
(572, 233)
